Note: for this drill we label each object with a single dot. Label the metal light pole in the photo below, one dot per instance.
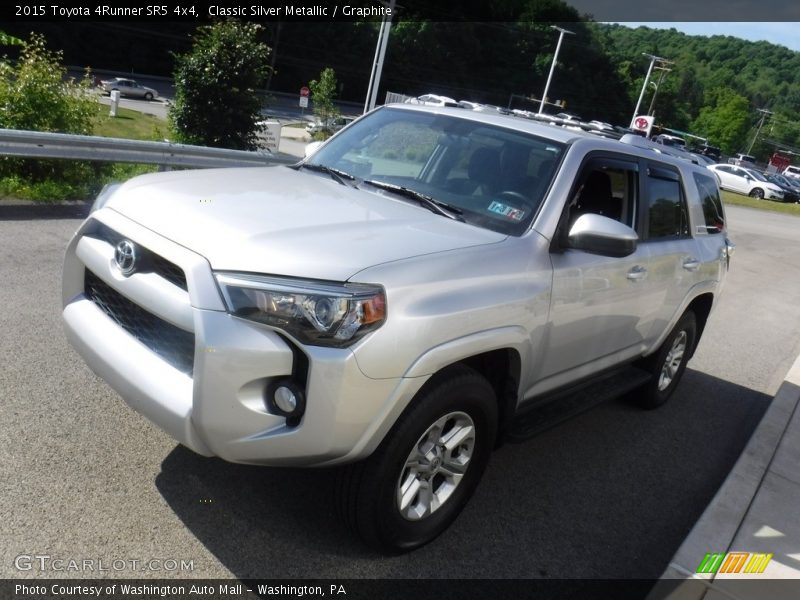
(377, 63)
(653, 60)
(553, 66)
(664, 71)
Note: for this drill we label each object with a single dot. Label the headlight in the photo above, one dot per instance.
(313, 312)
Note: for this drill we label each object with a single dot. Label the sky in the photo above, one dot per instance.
(785, 33)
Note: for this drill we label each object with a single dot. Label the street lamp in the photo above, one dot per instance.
(653, 60)
(664, 71)
(377, 62)
(553, 66)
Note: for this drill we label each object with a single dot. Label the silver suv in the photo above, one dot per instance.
(430, 282)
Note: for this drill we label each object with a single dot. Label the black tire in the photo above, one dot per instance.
(367, 492)
(757, 193)
(148, 96)
(657, 391)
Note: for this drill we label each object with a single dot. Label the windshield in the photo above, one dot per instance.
(492, 177)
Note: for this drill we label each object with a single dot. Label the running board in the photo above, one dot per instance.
(553, 409)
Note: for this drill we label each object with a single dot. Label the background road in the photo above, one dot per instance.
(609, 494)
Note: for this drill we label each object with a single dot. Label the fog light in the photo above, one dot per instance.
(285, 398)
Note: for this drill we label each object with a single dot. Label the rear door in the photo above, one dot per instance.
(673, 259)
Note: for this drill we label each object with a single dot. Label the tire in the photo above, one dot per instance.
(409, 491)
(757, 193)
(148, 96)
(668, 363)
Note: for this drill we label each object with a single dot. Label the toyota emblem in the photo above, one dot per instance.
(125, 257)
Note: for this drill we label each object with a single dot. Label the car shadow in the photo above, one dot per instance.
(33, 211)
(611, 493)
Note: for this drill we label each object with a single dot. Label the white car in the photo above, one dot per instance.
(746, 181)
(432, 100)
(792, 172)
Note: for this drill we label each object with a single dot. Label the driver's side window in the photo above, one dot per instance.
(607, 187)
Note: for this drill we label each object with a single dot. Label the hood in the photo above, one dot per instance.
(278, 221)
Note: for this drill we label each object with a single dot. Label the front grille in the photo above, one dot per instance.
(171, 343)
(148, 261)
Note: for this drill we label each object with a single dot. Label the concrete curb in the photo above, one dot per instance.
(717, 527)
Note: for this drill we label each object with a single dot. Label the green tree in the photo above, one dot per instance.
(216, 102)
(37, 95)
(726, 120)
(323, 92)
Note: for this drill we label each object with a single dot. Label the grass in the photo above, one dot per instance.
(82, 180)
(770, 205)
(129, 125)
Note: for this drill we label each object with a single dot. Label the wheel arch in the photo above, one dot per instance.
(701, 307)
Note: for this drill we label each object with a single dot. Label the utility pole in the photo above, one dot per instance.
(764, 112)
(380, 53)
(653, 60)
(553, 66)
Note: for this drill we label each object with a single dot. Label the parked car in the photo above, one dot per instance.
(791, 171)
(746, 181)
(398, 303)
(432, 100)
(128, 87)
(742, 160)
(791, 187)
(670, 140)
(331, 126)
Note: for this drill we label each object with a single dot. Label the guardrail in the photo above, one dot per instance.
(37, 144)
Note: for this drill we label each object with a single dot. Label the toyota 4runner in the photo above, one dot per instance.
(429, 282)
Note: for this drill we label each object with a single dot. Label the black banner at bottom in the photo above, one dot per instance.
(405, 589)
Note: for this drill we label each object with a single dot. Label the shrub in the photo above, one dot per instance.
(36, 95)
(216, 103)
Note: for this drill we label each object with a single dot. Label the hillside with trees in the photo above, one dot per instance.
(715, 87)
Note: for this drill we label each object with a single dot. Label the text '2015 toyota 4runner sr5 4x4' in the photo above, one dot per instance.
(429, 282)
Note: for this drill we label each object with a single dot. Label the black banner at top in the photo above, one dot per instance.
(201, 11)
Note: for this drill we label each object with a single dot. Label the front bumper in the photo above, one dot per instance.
(216, 406)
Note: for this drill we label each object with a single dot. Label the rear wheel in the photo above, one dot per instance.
(424, 472)
(668, 363)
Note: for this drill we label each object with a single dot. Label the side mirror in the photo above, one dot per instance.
(597, 234)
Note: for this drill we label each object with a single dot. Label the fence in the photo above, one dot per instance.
(36, 144)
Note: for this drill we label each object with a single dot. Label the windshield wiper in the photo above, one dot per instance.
(437, 206)
(336, 174)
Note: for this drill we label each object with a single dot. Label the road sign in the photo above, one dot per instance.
(303, 101)
(304, 92)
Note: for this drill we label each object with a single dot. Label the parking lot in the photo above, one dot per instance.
(609, 494)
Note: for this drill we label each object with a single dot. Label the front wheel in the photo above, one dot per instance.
(424, 472)
(667, 365)
(757, 193)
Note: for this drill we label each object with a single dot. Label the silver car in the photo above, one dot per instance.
(128, 87)
(430, 282)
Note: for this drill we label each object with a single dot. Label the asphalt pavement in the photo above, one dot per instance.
(612, 493)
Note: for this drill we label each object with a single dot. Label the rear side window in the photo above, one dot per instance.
(711, 203)
(666, 208)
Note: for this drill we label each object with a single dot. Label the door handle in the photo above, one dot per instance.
(691, 264)
(637, 273)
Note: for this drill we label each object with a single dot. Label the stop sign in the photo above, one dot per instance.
(304, 91)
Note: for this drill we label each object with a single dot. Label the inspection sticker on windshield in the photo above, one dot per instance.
(515, 214)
